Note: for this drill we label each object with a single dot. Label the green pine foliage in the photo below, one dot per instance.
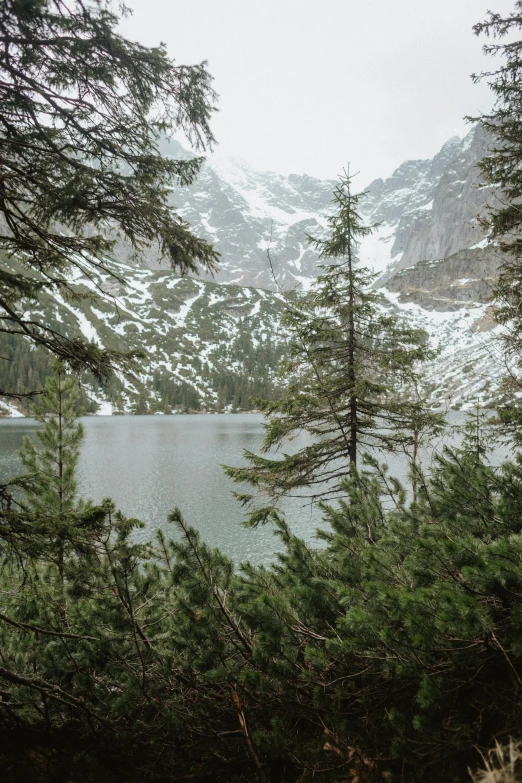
(51, 463)
(501, 168)
(23, 367)
(82, 111)
(391, 653)
(354, 371)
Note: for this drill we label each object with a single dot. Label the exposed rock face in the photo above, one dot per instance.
(463, 279)
(243, 211)
(458, 199)
(427, 210)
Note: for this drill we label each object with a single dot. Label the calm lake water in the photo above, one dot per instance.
(150, 464)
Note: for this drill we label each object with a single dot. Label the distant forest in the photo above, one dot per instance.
(25, 368)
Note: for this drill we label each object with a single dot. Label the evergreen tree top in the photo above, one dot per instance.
(346, 224)
(502, 169)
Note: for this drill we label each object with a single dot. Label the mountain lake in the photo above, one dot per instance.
(149, 465)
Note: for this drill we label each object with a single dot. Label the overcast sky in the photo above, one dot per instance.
(307, 85)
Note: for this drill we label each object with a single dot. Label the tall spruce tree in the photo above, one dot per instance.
(354, 370)
(81, 113)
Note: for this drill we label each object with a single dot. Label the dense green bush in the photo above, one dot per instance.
(391, 652)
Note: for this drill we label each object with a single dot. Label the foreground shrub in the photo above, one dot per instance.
(391, 653)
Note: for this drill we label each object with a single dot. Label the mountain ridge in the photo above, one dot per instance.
(427, 210)
(203, 338)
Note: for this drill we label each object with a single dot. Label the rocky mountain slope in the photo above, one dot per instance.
(210, 347)
(242, 211)
(464, 278)
(206, 346)
(212, 344)
(427, 210)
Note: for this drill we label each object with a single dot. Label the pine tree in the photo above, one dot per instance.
(82, 111)
(50, 463)
(502, 168)
(354, 369)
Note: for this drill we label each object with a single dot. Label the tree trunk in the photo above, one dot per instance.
(351, 365)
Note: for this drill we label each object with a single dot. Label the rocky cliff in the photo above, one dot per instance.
(463, 278)
(427, 210)
(212, 344)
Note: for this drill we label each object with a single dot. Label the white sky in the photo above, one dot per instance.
(307, 85)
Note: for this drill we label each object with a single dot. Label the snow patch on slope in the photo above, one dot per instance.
(468, 365)
(375, 249)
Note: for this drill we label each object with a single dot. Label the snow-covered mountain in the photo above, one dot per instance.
(427, 210)
(206, 346)
(429, 250)
(211, 344)
(243, 211)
